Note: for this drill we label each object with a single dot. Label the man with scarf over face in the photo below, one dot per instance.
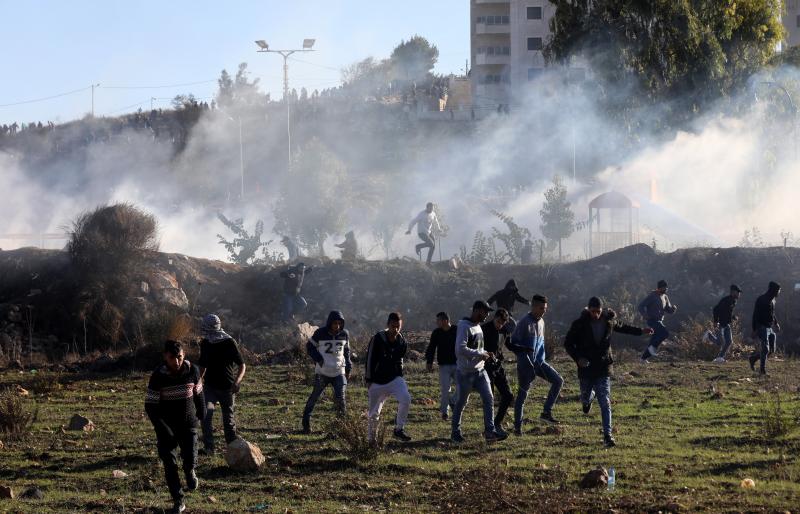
(222, 368)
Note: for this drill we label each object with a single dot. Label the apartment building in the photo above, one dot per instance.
(507, 38)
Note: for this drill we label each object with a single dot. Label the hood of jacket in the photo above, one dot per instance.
(512, 285)
(334, 316)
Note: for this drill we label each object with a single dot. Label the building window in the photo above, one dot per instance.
(493, 20)
(534, 13)
(534, 43)
(534, 73)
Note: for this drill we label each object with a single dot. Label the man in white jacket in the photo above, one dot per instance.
(425, 221)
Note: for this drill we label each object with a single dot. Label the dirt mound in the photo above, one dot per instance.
(249, 299)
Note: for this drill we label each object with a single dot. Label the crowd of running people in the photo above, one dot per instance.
(182, 396)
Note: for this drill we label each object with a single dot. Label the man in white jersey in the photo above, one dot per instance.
(425, 221)
(329, 348)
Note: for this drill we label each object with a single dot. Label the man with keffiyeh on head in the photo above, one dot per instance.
(222, 368)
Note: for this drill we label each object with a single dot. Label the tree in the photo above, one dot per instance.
(243, 248)
(314, 198)
(681, 55)
(557, 216)
(514, 240)
(366, 78)
(413, 60)
(239, 91)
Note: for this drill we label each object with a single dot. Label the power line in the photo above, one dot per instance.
(46, 97)
(315, 64)
(161, 87)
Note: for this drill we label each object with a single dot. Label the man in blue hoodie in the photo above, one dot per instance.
(329, 348)
(470, 373)
(652, 309)
(527, 343)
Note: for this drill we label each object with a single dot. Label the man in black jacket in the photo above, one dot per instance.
(293, 302)
(443, 347)
(723, 316)
(175, 405)
(765, 326)
(222, 368)
(501, 325)
(588, 342)
(507, 297)
(384, 376)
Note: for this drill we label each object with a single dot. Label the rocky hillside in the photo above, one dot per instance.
(34, 285)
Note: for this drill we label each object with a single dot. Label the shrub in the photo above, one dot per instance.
(112, 240)
(352, 436)
(45, 383)
(16, 417)
(775, 420)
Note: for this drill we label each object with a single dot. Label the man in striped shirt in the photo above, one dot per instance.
(175, 405)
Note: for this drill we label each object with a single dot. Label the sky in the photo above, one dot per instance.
(55, 47)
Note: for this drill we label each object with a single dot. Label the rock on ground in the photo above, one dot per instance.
(594, 479)
(243, 456)
(78, 422)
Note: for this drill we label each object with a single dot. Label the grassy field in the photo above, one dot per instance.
(688, 433)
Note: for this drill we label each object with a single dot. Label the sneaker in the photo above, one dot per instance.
(493, 437)
(608, 441)
(587, 407)
(400, 433)
(547, 417)
(644, 361)
(178, 507)
(457, 438)
(192, 482)
(517, 431)
(499, 431)
(719, 360)
(753, 359)
(762, 372)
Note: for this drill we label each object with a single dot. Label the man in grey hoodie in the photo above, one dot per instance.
(470, 373)
(652, 309)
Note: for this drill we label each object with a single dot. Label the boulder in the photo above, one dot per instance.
(162, 280)
(78, 422)
(32, 493)
(6, 492)
(594, 479)
(243, 456)
(172, 296)
(303, 333)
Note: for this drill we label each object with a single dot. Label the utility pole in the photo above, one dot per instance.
(308, 44)
(93, 86)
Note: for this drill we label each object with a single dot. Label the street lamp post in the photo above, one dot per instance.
(94, 86)
(308, 44)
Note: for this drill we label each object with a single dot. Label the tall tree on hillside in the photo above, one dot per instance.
(413, 60)
(558, 220)
(314, 198)
(238, 91)
(679, 54)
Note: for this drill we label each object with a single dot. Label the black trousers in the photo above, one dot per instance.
(498, 379)
(185, 441)
(428, 243)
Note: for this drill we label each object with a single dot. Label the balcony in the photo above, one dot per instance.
(486, 28)
(487, 59)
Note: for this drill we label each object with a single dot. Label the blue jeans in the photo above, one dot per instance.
(527, 370)
(293, 304)
(724, 337)
(339, 384)
(765, 335)
(660, 333)
(465, 383)
(599, 388)
(447, 375)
